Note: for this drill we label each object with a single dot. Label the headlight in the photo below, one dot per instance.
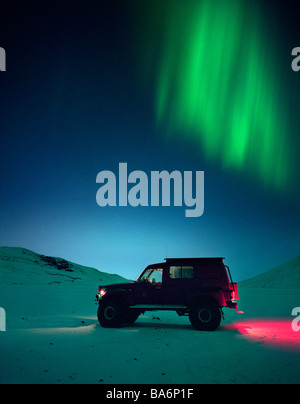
(102, 292)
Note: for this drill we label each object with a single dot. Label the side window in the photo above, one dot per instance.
(175, 272)
(156, 276)
(181, 272)
(187, 272)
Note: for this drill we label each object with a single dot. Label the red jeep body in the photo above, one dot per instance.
(198, 287)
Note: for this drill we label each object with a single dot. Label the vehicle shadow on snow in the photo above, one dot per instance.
(159, 325)
(181, 324)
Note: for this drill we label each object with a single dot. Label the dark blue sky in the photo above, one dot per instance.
(73, 103)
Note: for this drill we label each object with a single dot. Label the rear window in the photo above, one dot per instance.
(181, 272)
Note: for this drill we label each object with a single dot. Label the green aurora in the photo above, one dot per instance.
(217, 84)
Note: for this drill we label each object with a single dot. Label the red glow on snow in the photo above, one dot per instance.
(269, 332)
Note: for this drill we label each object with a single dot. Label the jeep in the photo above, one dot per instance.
(197, 287)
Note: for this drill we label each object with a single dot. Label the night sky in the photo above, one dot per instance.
(182, 85)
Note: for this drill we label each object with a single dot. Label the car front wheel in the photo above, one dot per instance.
(111, 313)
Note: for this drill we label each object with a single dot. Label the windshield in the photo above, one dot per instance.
(152, 275)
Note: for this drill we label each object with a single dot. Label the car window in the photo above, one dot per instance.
(152, 275)
(156, 276)
(181, 272)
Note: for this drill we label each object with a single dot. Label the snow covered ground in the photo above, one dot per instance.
(52, 334)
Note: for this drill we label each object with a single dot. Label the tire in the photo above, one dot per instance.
(111, 313)
(205, 316)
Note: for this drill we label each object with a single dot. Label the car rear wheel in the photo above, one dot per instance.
(111, 313)
(205, 316)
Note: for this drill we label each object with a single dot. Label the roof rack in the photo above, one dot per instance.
(194, 259)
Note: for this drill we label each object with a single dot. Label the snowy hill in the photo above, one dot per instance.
(284, 276)
(34, 287)
(19, 266)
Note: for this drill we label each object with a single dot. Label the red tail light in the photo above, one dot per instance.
(235, 292)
